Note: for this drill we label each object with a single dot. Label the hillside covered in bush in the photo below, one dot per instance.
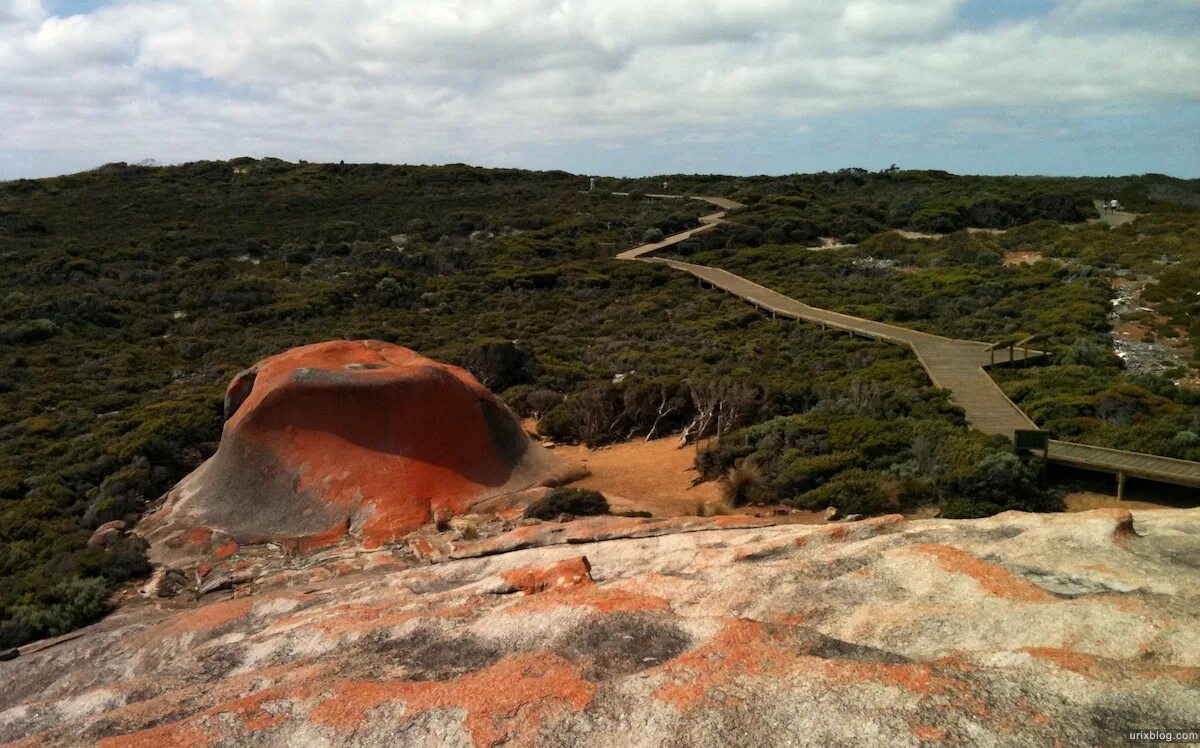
(132, 294)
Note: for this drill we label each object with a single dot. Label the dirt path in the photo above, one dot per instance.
(1113, 218)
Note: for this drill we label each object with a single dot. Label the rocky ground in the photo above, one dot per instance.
(1015, 630)
(1135, 338)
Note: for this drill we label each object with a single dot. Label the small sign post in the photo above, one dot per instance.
(1032, 440)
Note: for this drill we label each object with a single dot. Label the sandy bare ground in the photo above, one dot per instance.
(829, 243)
(652, 476)
(656, 476)
(1021, 258)
(1085, 501)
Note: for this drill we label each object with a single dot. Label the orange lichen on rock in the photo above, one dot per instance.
(1068, 659)
(211, 616)
(944, 682)
(225, 550)
(843, 531)
(519, 691)
(653, 639)
(317, 540)
(931, 733)
(995, 579)
(568, 573)
(742, 647)
(360, 438)
(1186, 675)
(176, 734)
(603, 599)
(199, 538)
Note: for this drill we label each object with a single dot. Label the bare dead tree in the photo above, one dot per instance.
(667, 404)
(597, 411)
(720, 406)
(736, 402)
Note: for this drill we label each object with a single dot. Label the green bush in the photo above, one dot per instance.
(852, 492)
(580, 502)
(803, 473)
(961, 507)
(31, 331)
(67, 605)
(499, 365)
(121, 493)
(12, 485)
(1001, 481)
(168, 427)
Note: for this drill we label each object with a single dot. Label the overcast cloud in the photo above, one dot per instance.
(609, 86)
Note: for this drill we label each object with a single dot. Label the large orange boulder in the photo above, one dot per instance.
(359, 438)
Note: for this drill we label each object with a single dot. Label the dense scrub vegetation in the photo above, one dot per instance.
(959, 285)
(869, 465)
(851, 205)
(132, 294)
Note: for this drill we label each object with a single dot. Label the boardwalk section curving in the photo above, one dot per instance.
(954, 365)
(707, 223)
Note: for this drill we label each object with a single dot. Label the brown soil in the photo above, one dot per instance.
(828, 242)
(1083, 501)
(653, 476)
(656, 476)
(1131, 331)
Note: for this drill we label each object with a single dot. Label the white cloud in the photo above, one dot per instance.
(430, 80)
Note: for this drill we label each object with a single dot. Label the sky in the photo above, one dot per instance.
(612, 87)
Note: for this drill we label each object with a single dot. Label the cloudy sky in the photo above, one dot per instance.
(623, 87)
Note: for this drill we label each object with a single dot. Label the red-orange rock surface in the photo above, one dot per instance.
(1022, 629)
(359, 438)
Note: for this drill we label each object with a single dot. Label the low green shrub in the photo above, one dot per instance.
(851, 492)
(579, 502)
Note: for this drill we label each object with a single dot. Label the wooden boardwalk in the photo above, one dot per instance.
(954, 365)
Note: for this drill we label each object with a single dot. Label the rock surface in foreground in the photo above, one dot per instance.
(346, 438)
(1016, 630)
